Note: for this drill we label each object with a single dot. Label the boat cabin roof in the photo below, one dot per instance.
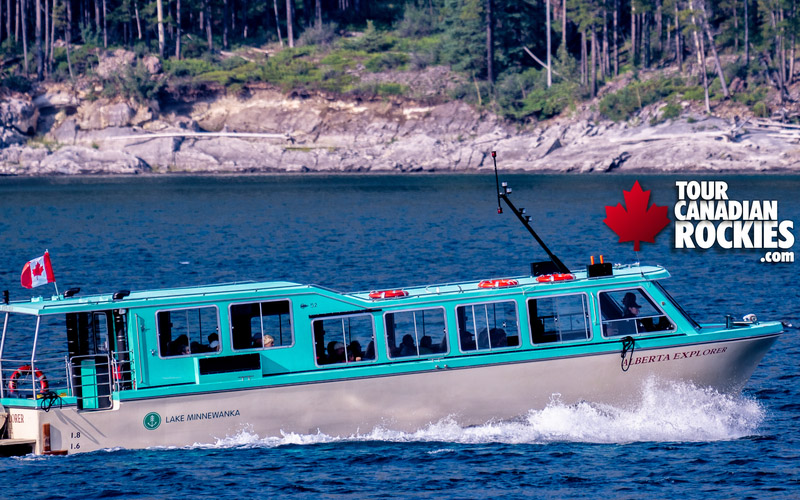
(622, 274)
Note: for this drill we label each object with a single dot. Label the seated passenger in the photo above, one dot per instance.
(467, 341)
(213, 342)
(407, 347)
(498, 337)
(267, 341)
(354, 351)
(176, 347)
(335, 352)
(426, 345)
(443, 345)
(186, 350)
(483, 339)
(370, 354)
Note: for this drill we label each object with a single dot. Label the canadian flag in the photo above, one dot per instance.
(37, 272)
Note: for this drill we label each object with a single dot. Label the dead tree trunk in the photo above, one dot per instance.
(38, 36)
(714, 54)
(633, 33)
(160, 19)
(277, 22)
(615, 37)
(24, 36)
(698, 41)
(289, 23)
(178, 29)
(489, 42)
(549, 73)
(678, 48)
(594, 63)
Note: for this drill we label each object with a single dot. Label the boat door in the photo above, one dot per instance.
(170, 341)
(92, 337)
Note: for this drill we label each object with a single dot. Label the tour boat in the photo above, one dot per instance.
(177, 367)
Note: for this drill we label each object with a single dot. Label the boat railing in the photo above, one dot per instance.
(92, 381)
(39, 378)
(122, 370)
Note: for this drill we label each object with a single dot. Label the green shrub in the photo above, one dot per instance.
(16, 83)
(386, 61)
(374, 89)
(135, 83)
(669, 112)
(761, 110)
(325, 35)
(695, 93)
(371, 41)
(750, 98)
(622, 104)
(187, 67)
(417, 22)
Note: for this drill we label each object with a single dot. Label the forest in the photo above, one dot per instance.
(525, 59)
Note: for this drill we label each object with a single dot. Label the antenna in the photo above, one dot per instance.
(523, 218)
(497, 182)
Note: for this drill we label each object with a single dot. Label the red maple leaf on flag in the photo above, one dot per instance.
(638, 223)
(38, 270)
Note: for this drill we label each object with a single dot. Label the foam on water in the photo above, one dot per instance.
(665, 412)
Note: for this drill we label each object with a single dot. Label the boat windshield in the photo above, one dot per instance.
(694, 323)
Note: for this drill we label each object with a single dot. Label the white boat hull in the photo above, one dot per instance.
(404, 402)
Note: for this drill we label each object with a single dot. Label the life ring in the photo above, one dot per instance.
(549, 278)
(500, 283)
(387, 294)
(26, 370)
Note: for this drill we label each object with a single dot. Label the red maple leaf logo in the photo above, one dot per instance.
(638, 223)
(38, 270)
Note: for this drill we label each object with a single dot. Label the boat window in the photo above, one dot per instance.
(416, 333)
(631, 312)
(677, 306)
(259, 325)
(488, 326)
(182, 332)
(564, 318)
(344, 339)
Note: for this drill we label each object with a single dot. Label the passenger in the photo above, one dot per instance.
(407, 347)
(631, 307)
(498, 337)
(631, 311)
(213, 342)
(443, 345)
(336, 352)
(257, 341)
(467, 341)
(483, 339)
(267, 341)
(186, 350)
(426, 345)
(176, 346)
(370, 354)
(354, 351)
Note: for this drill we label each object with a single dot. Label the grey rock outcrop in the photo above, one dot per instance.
(18, 114)
(325, 135)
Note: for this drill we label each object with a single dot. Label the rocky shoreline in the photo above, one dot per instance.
(61, 133)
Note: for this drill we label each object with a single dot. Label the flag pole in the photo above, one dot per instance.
(47, 252)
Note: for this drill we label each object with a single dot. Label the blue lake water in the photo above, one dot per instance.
(369, 232)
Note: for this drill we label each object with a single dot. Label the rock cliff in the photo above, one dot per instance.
(269, 131)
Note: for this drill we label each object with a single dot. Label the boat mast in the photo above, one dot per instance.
(523, 218)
